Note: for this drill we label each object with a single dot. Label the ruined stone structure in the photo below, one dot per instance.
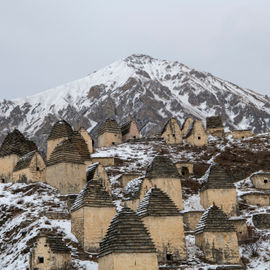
(87, 138)
(109, 133)
(14, 146)
(97, 171)
(59, 132)
(130, 131)
(127, 244)
(196, 134)
(214, 126)
(171, 132)
(91, 215)
(185, 169)
(48, 253)
(66, 168)
(241, 134)
(217, 238)
(257, 198)
(240, 225)
(261, 180)
(188, 121)
(163, 174)
(219, 189)
(165, 224)
(30, 168)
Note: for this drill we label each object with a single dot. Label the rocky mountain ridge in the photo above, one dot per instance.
(139, 87)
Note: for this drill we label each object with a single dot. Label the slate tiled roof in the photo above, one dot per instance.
(214, 122)
(16, 143)
(110, 125)
(189, 130)
(214, 220)
(125, 127)
(218, 179)
(66, 151)
(90, 171)
(60, 129)
(157, 203)
(162, 167)
(166, 124)
(81, 145)
(126, 234)
(24, 161)
(92, 195)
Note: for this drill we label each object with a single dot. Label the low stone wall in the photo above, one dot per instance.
(240, 226)
(261, 221)
(241, 134)
(57, 215)
(261, 180)
(260, 199)
(104, 161)
(191, 219)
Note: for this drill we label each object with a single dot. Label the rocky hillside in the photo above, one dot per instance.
(140, 87)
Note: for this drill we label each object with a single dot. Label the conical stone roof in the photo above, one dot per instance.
(218, 179)
(157, 203)
(214, 220)
(65, 152)
(15, 143)
(110, 125)
(92, 195)
(60, 129)
(24, 161)
(162, 167)
(81, 145)
(126, 234)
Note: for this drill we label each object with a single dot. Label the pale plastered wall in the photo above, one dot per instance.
(258, 181)
(259, 199)
(171, 186)
(77, 227)
(240, 226)
(226, 199)
(198, 136)
(104, 161)
(133, 204)
(96, 221)
(240, 134)
(51, 144)
(7, 164)
(191, 219)
(172, 133)
(107, 139)
(128, 261)
(219, 247)
(133, 132)
(51, 260)
(68, 178)
(31, 174)
(168, 236)
(87, 139)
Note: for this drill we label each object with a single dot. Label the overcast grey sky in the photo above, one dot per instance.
(44, 43)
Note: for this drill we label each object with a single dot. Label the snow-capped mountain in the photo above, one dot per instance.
(139, 87)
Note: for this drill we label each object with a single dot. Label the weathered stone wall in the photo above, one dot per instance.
(172, 186)
(101, 174)
(133, 132)
(95, 225)
(104, 161)
(7, 164)
(261, 181)
(68, 178)
(125, 178)
(191, 219)
(87, 138)
(36, 172)
(184, 169)
(260, 199)
(219, 247)
(172, 133)
(133, 204)
(240, 134)
(51, 144)
(108, 139)
(219, 132)
(168, 236)
(51, 260)
(198, 136)
(128, 261)
(240, 226)
(77, 225)
(226, 199)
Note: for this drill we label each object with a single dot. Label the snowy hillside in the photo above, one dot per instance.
(147, 89)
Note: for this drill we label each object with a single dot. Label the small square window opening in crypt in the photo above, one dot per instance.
(40, 259)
